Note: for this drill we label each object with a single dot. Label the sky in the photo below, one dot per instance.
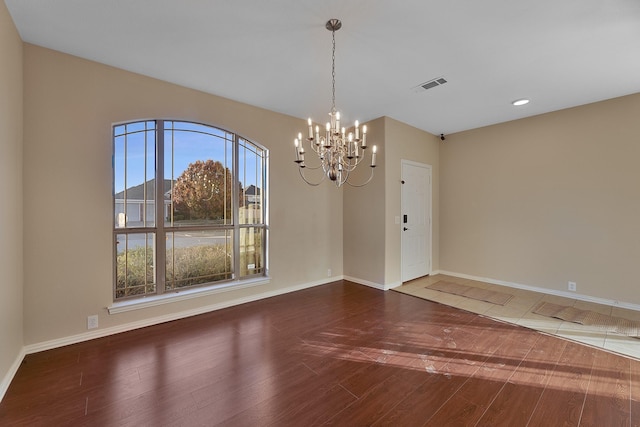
(184, 144)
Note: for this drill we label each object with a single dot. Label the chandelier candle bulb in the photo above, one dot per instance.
(338, 120)
(310, 129)
(373, 157)
(357, 131)
(364, 136)
(317, 135)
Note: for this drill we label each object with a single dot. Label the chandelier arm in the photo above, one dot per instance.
(314, 184)
(312, 167)
(344, 176)
(316, 148)
(363, 184)
(351, 165)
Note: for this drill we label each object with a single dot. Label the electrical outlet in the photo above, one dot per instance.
(92, 322)
(329, 273)
(571, 286)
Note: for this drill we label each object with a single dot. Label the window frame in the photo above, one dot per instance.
(162, 226)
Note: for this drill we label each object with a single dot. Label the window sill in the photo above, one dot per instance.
(183, 295)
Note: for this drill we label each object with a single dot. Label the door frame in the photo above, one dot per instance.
(429, 243)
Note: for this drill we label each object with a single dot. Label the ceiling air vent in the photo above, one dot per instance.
(430, 84)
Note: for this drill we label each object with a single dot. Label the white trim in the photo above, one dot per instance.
(6, 381)
(372, 284)
(98, 333)
(365, 283)
(392, 285)
(154, 300)
(566, 294)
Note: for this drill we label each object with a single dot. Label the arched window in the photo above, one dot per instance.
(203, 225)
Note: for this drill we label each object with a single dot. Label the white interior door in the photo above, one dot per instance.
(415, 221)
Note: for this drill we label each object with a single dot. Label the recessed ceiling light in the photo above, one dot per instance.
(519, 102)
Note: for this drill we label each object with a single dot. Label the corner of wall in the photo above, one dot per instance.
(11, 209)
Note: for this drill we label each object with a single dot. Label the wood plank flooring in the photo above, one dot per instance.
(339, 354)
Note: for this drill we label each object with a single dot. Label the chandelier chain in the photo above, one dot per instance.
(333, 72)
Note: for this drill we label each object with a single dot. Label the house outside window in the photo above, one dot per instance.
(206, 224)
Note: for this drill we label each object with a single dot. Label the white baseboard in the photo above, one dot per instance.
(372, 284)
(6, 381)
(365, 282)
(566, 294)
(98, 333)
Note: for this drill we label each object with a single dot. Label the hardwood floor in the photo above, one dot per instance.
(339, 354)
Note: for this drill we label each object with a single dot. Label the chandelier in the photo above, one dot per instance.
(339, 153)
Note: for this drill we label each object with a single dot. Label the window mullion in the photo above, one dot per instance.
(161, 241)
(235, 197)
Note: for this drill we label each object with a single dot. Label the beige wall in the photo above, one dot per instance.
(70, 105)
(11, 258)
(364, 230)
(404, 142)
(546, 200)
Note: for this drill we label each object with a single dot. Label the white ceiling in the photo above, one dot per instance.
(276, 54)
